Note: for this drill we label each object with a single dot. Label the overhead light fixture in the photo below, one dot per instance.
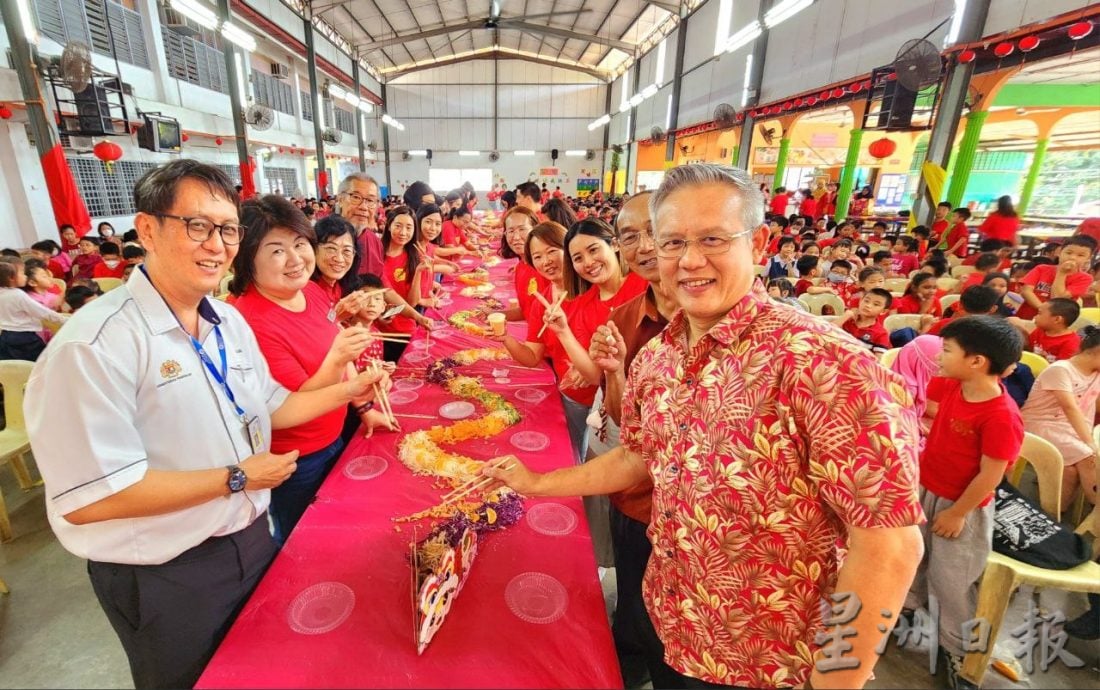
(668, 113)
(469, 153)
(25, 18)
(239, 66)
(336, 91)
(352, 99)
(365, 105)
(748, 79)
(386, 119)
(238, 36)
(624, 107)
(649, 91)
(745, 36)
(418, 152)
(197, 12)
(784, 11)
(523, 153)
(575, 152)
(636, 100)
(601, 121)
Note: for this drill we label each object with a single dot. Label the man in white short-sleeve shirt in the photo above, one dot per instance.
(150, 416)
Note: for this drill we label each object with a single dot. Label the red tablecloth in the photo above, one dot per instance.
(347, 536)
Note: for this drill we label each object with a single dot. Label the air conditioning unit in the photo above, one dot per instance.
(279, 70)
(178, 23)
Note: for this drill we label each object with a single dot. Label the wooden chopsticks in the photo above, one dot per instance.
(475, 483)
(549, 308)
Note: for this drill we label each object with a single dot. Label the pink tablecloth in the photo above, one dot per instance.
(347, 537)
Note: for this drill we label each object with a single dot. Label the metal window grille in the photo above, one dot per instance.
(307, 106)
(272, 92)
(282, 181)
(195, 62)
(73, 20)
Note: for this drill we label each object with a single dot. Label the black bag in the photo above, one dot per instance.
(1021, 530)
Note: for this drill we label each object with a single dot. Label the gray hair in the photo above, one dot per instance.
(345, 184)
(697, 174)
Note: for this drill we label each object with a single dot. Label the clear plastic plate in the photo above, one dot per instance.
(530, 441)
(536, 598)
(458, 409)
(365, 467)
(402, 397)
(552, 519)
(531, 395)
(320, 608)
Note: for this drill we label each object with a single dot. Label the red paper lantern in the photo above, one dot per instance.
(280, 149)
(882, 148)
(788, 105)
(1080, 30)
(837, 93)
(5, 112)
(798, 102)
(219, 141)
(303, 152)
(1028, 43)
(1003, 50)
(856, 88)
(824, 96)
(811, 100)
(866, 84)
(184, 137)
(967, 56)
(107, 151)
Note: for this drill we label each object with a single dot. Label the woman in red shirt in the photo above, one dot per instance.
(518, 222)
(921, 297)
(454, 229)
(808, 207)
(429, 222)
(1002, 224)
(299, 337)
(401, 272)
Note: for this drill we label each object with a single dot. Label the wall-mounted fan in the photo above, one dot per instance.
(657, 134)
(259, 117)
(331, 135)
(768, 133)
(725, 116)
(918, 64)
(494, 156)
(74, 66)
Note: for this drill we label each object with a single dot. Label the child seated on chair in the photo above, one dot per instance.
(987, 263)
(978, 300)
(1070, 278)
(868, 279)
(79, 295)
(1061, 408)
(904, 260)
(40, 286)
(112, 265)
(865, 322)
(85, 262)
(809, 268)
(20, 316)
(976, 435)
(921, 297)
(780, 290)
(1049, 334)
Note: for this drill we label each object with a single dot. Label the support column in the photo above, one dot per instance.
(848, 175)
(735, 154)
(781, 162)
(386, 138)
(606, 135)
(964, 156)
(234, 56)
(756, 78)
(360, 133)
(744, 146)
(1032, 175)
(321, 175)
(677, 70)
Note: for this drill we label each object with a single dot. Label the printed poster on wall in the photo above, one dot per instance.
(586, 186)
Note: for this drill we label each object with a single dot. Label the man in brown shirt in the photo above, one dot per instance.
(613, 348)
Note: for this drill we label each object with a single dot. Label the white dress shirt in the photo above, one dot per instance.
(121, 390)
(20, 313)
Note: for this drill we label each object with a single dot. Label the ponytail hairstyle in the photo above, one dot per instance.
(1090, 337)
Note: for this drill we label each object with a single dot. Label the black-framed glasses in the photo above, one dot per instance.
(201, 229)
(676, 247)
(358, 199)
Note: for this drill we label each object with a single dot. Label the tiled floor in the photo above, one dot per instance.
(53, 633)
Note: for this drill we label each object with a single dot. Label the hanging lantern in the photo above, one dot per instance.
(108, 152)
(798, 102)
(184, 137)
(219, 141)
(967, 56)
(856, 88)
(788, 105)
(5, 112)
(837, 93)
(280, 149)
(1080, 30)
(866, 84)
(823, 96)
(1003, 50)
(811, 100)
(1028, 43)
(882, 148)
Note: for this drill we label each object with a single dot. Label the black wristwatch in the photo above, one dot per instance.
(237, 479)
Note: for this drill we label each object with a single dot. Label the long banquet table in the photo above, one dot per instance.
(335, 608)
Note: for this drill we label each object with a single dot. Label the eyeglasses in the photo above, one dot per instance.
(517, 232)
(333, 250)
(708, 246)
(201, 229)
(359, 199)
(629, 239)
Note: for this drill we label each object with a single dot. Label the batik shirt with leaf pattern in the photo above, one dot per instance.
(765, 441)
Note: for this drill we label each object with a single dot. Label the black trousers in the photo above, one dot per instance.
(171, 617)
(21, 345)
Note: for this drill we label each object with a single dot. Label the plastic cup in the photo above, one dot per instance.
(496, 322)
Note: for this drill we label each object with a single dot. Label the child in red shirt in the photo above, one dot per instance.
(1049, 334)
(976, 435)
(987, 263)
(920, 297)
(1070, 278)
(865, 323)
(112, 265)
(958, 237)
(940, 224)
(905, 259)
(868, 279)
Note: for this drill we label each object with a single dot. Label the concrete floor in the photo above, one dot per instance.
(53, 633)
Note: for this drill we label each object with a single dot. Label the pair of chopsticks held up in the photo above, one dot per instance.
(551, 309)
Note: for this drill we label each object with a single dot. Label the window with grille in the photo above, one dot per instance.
(282, 181)
(98, 23)
(233, 172)
(343, 120)
(194, 62)
(307, 106)
(272, 92)
(107, 192)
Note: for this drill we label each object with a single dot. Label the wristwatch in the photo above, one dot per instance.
(237, 479)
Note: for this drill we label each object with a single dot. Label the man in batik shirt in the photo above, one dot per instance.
(770, 437)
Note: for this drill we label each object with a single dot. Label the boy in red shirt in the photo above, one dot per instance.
(975, 437)
(1070, 278)
(958, 237)
(779, 202)
(112, 265)
(939, 223)
(1049, 334)
(975, 301)
(865, 323)
(808, 269)
(868, 279)
(987, 263)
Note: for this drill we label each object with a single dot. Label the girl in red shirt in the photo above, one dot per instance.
(808, 207)
(401, 270)
(1002, 224)
(303, 346)
(920, 297)
(429, 221)
(518, 222)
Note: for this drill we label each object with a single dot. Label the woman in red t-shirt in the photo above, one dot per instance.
(1002, 224)
(401, 271)
(303, 346)
(808, 207)
(518, 222)
(429, 222)
(920, 297)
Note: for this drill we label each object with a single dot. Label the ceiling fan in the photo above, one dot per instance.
(494, 20)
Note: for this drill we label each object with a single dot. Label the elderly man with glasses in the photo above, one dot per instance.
(770, 437)
(161, 474)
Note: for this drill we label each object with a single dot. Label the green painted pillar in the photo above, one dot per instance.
(1032, 175)
(964, 156)
(735, 154)
(781, 162)
(848, 175)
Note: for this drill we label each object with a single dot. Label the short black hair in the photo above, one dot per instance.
(991, 245)
(780, 220)
(77, 295)
(879, 224)
(987, 261)
(920, 231)
(868, 271)
(48, 246)
(1065, 308)
(995, 339)
(130, 235)
(1081, 241)
(883, 293)
(963, 213)
(7, 251)
(806, 263)
(370, 281)
(529, 190)
(783, 284)
(1090, 337)
(909, 241)
(937, 265)
(978, 299)
(132, 252)
(841, 263)
(944, 204)
(881, 255)
(156, 191)
(109, 249)
(785, 240)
